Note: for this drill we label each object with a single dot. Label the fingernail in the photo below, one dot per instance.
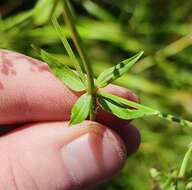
(94, 157)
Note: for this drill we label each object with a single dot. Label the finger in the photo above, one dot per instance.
(53, 156)
(131, 137)
(129, 134)
(30, 92)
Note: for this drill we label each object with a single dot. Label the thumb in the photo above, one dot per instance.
(48, 156)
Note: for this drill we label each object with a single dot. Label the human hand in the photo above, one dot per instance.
(45, 154)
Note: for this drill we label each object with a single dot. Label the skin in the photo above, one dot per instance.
(37, 149)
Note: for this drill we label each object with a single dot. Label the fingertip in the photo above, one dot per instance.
(121, 91)
(131, 137)
(101, 153)
(77, 157)
(129, 134)
(95, 156)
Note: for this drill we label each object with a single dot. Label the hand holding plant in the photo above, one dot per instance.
(41, 151)
(89, 102)
(86, 97)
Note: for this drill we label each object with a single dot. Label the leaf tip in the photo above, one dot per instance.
(140, 53)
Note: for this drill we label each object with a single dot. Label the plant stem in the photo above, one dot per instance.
(53, 10)
(86, 64)
(181, 122)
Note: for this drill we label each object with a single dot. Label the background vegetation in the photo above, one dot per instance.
(112, 31)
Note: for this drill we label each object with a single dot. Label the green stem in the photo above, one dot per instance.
(86, 64)
(181, 122)
(53, 9)
(185, 162)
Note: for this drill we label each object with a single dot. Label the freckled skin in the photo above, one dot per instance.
(34, 89)
(7, 65)
(40, 152)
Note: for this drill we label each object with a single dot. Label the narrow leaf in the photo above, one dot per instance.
(68, 48)
(43, 11)
(122, 112)
(121, 102)
(117, 71)
(63, 72)
(16, 20)
(81, 109)
(63, 38)
(126, 102)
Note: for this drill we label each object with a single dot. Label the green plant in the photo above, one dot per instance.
(162, 78)
(88, 103)
(176, 179)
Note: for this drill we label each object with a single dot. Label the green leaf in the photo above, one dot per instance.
(113, 105)
(140, 111)
(129, 103)
(16, 20)
(44, 9)
(81, 109)
(63, 72)
(117, 71)
(63, 38)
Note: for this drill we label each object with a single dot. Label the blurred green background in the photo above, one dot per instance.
(112, 31)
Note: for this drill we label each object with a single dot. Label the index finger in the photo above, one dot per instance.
(30, 92)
